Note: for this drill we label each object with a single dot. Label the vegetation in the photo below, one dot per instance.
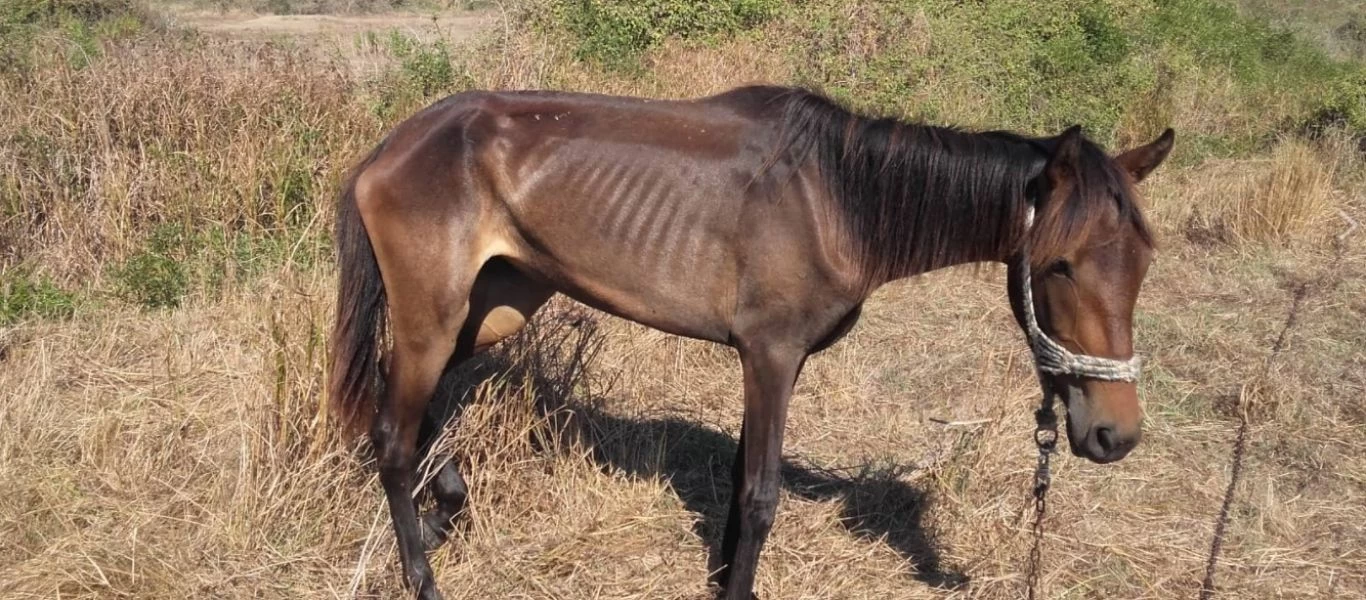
(617, 32)
(22, 296)
(1116, 67)
(255, 153)
(336, 7)
(166, 282)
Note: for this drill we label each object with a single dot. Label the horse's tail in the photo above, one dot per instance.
(362, 311)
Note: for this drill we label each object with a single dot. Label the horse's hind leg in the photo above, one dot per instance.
(448, 487)
(427, 279)
(500, 304)
(418, 357)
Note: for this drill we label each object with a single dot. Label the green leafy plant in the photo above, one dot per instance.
(616, 32)
(22, 295)
(155, 277)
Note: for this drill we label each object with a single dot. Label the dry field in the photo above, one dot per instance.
(185, 451)
(322, 30)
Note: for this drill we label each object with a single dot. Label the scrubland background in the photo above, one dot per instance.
(167, 177)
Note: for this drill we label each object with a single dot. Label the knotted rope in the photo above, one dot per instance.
(1049, 355)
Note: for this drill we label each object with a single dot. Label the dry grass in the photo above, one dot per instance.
(1291, 196)
(214, 132)
(180, 455)
(184, 453)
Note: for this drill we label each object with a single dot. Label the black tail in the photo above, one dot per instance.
(362, 313)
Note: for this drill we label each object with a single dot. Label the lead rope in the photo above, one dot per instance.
(1050, 357)
(1207, 588)
(1046, 438)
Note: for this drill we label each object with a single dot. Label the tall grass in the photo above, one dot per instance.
(210, 133)
(1291, 196)
(165, 163)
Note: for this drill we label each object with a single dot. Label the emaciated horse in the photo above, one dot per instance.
(760, 218)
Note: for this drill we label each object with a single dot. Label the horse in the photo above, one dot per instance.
(760, 218)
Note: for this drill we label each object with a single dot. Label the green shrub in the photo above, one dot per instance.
(429, 68)
(1020, 65)
(1041, 66)
(1250, 48)
(616, 32)
(426, 70)
(210, 259)
(81, 23)
(156, 277)
(23, 296)
(1343, 107)
(50, 12)
(426, 66)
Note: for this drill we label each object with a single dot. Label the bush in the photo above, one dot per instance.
(155, 277)
(1111, 66)
(1344, 107)
(207, 259)
(616, 32)
(1010, 63)
(426, 70)
(22, 295)
(427, 67)
(81, 24)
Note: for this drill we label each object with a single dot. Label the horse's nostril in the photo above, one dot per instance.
(1106, 438)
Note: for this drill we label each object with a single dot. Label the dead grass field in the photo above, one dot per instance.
(185, 452)
(322, 29)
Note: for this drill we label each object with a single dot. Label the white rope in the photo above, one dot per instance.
(1050, 356)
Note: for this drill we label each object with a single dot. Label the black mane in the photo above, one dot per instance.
(918, 197)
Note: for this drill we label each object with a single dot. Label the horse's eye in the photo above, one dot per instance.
(1062, 268)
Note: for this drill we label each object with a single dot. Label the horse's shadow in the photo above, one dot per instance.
(553, 355)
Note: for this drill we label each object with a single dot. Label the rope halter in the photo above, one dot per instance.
(1049, 355)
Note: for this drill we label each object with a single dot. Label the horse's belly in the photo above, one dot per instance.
(663, 264)
(643, 230)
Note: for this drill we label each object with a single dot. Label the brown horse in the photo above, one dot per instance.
(760, 218)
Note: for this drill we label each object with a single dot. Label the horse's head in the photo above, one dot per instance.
(1089, 251)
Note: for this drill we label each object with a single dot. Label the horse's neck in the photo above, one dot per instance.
(967, 242)
(972, 250)
(917, 198)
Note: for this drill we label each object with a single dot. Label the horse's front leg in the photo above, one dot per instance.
(770, 371)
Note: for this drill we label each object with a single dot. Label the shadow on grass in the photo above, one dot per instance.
(554, 354)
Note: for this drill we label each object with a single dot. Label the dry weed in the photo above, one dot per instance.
(247, 137)
(1291, 197)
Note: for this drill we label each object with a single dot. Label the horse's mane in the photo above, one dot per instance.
(917, 197)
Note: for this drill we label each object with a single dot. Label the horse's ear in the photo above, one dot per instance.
(1064, 164)
(1141, 161)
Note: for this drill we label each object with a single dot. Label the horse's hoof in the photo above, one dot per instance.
(420, 579)
(434, 532)
(429, 593)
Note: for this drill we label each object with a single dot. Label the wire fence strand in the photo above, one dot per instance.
(1300, 292)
